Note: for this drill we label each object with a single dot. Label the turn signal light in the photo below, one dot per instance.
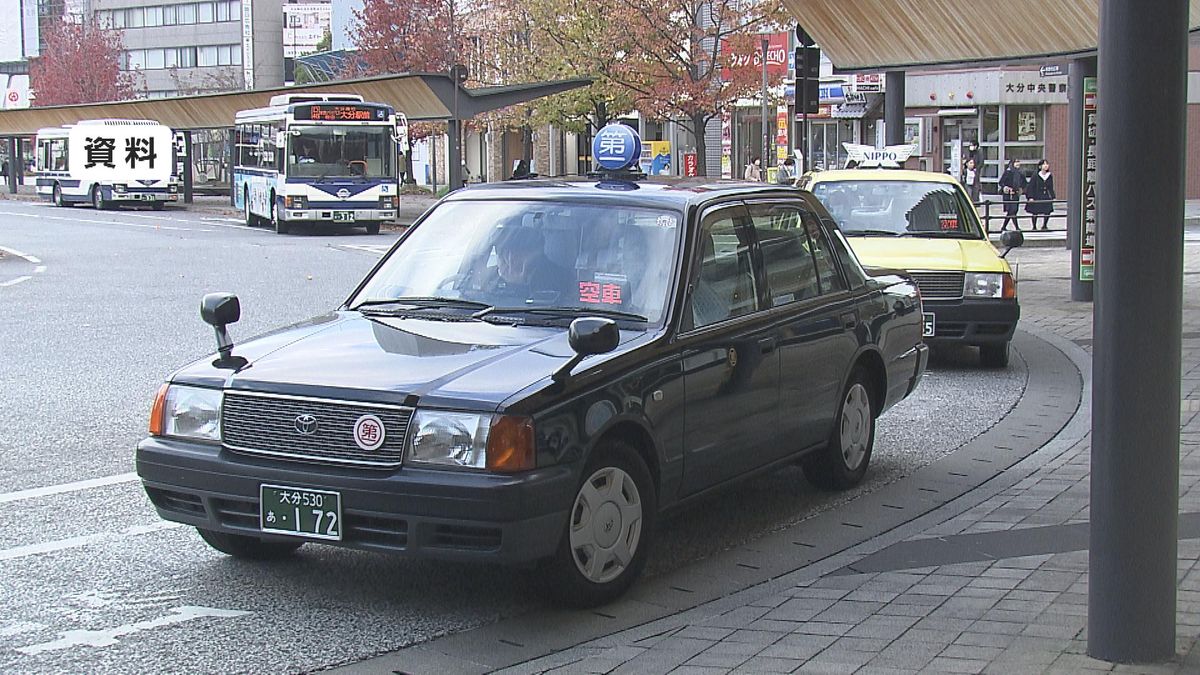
(510, 445)
(1010, 287)
(156, 412)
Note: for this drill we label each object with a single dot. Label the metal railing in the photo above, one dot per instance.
(991, 213)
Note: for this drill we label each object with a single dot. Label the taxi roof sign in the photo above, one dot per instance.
(617, 146)
(889, 157)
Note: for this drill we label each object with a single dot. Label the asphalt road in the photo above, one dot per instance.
(99, 308)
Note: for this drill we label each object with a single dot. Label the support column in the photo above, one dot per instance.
(893, 107)
(1135, 386)
(454, 154)
(14, 164)
(1081, 291)
(231, 158)
(187, 167)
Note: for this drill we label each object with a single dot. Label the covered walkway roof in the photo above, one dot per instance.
(872, 35)
(420, 96)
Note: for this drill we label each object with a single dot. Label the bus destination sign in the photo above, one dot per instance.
(341, 112)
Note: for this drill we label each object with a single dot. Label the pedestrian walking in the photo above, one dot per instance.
(1040, 195)
(971, 180)
(753, 170)
(787, 172)
(1012, 184)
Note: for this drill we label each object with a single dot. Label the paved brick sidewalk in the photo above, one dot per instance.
(1000, 587)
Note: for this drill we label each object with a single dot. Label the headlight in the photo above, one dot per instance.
(989, 285)
(118, 187)
(187, 412)
(471, 440)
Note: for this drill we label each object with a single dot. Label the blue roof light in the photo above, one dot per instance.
(616, 147)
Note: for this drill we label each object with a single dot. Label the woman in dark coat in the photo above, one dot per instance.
(1012, 184)
(1040, 193)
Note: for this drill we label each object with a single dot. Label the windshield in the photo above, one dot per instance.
(898, 208)
(530, 256)
(339, 151)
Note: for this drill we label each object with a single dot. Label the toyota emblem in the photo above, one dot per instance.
(343, 194)
(306, 425)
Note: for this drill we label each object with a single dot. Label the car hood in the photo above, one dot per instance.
(457, 364)
(918, 253)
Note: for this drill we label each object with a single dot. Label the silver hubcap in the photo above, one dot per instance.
(606, 525)
(856, 426)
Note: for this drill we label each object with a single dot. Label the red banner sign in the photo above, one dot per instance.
(777, 55)
(691, 167)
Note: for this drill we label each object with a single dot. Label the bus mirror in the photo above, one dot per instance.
(281, 138)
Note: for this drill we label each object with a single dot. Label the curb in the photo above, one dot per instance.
(1051, 416)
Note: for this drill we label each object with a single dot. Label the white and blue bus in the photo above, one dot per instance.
(57, 183)
(318, 158)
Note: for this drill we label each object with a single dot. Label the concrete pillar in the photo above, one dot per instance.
(14, 164)
(187, 167)
(454, 154)
(1135, 385)
(1076, 167)
(893, 107)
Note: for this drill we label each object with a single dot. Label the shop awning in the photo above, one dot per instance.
(857, 109)
(420, 96)
(872, 35)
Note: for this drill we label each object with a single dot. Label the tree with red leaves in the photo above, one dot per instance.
(80, 63)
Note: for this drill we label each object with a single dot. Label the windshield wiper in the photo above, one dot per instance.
(562, 311)
(872, 233)
(423, 302)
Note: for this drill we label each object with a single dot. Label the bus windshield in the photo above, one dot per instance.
(340, 151)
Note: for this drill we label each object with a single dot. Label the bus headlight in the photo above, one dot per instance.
(118, 187)
(295, 202)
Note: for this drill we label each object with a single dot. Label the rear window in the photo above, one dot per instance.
(899, 208)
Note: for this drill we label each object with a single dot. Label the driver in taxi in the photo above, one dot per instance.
(523, 267)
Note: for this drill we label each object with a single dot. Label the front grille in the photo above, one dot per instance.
(266, 425)
(940, 285)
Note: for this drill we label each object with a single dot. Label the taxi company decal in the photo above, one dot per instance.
(892, 156)
(369, 432)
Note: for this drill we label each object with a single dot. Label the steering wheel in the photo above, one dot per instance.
(362, 167)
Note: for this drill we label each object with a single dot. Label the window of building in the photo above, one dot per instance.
(169, 15)
(206, 56)
(154, 16)
(137, 59)
(156, 58)
(187, 14)
(222, 11)
(235, 57)
(134, 17)
(1024, 124)
(206, 13)
(187, 57)
(118, 18)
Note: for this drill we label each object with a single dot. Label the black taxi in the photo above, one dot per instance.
(535, 372)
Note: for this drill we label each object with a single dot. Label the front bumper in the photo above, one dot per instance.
(428, 513)
(327, 215)
(144, 196)
(973, 321)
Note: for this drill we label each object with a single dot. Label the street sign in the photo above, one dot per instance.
(1087, 236)
(1052, 70)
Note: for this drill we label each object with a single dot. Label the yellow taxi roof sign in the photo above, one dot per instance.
(888, 157)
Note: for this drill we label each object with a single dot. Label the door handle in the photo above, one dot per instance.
(850, 320)
(767, 344)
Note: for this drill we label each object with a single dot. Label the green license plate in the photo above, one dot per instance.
(300, 512)
(343, 216)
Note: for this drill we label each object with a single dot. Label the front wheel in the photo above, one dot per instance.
(608, 531)
(843, 462)
(250, 220)
(372, 227)
(58, 195)
(249, 548)
(994, 356)
(98, 202)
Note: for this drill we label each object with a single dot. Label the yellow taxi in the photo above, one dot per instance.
(924, 223)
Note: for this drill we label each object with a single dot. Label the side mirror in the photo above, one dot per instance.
(1010, 240)
(587, 336)
(593, 335)
(219, 310)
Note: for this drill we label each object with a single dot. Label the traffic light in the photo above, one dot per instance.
(808, 78)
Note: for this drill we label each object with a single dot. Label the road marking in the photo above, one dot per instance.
(14, 282)
(85, 540)
(12, 251)
(108, 637)
(376, 249)
(75, 486)
(100, 222)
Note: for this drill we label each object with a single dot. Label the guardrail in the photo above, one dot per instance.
(991, 212)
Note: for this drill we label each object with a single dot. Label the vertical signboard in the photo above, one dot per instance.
(781, 133)
(1087, 237)
(726, 145)
(248, 42)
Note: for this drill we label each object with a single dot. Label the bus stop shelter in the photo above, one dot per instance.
(420, 96)
(1128, 203)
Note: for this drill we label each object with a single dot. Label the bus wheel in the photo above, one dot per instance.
(58, 196)
(373, 227)
(98, 202)
(250, 222)
(280, 225)
(157, 205)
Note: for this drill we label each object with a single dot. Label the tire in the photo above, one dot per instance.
(251, 220)
(994, 356)
(372, 227)
(98, 202)
(843, 462)
(58, 196)
(248, 548)
(157, 205)
(278, 224)
(587, 570)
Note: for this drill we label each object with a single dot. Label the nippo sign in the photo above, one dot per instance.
(892, 156)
